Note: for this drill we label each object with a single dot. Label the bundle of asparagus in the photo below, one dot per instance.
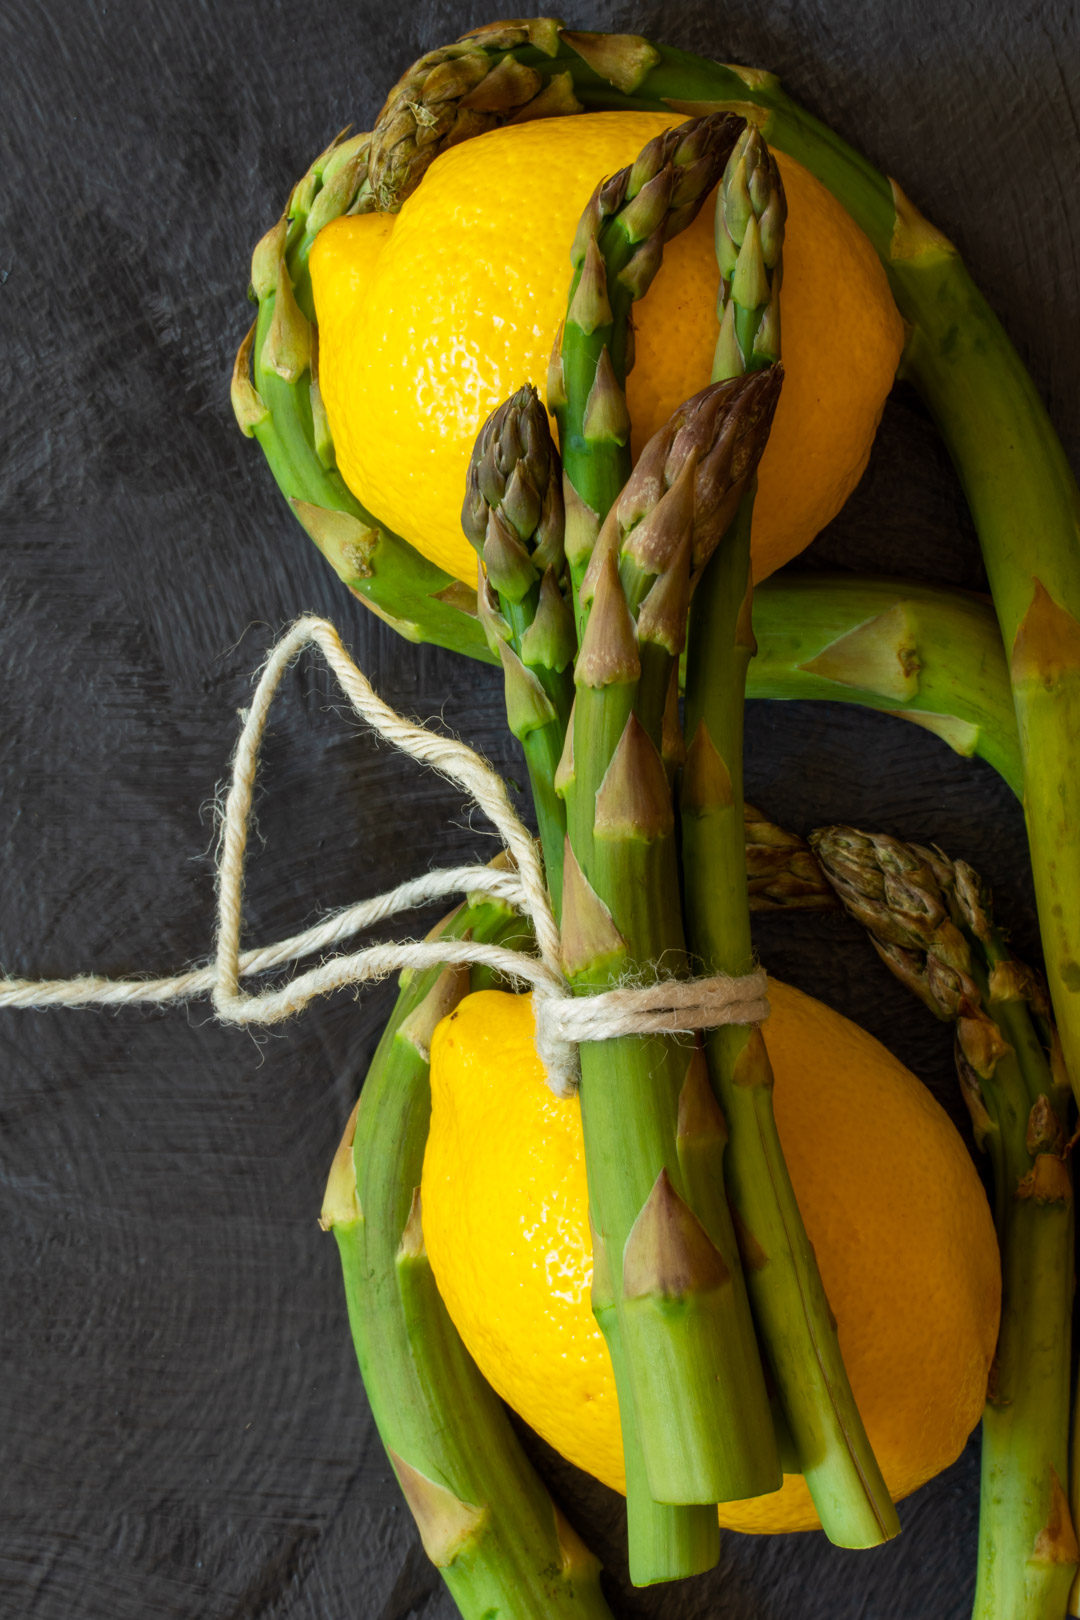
(596, 575)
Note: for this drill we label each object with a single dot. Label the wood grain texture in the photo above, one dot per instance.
(183, 1432)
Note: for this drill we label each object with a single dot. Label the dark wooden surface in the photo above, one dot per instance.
(183, 1430)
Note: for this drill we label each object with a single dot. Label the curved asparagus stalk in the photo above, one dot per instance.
(928, 654)
(276, 400)
(1010, 461)
(483, 1515)
(513, 514)
(790, 1306)
(616, 254)
(930, 921)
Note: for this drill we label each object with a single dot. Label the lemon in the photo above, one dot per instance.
(428, 322)
(891, 1200)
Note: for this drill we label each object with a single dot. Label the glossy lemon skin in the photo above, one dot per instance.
(891, 1200)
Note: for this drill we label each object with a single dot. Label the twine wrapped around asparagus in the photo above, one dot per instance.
(680, 1006)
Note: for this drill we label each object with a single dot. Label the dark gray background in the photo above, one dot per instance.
(183, 1429)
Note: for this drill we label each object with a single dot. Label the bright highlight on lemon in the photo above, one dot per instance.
(428, 319)
(892, 1203)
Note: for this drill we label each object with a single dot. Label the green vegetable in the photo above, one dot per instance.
(484, 1517)
(797, 1328)
(276, 399)
(513, 514)
(616, 253)
(930, 921)
(923, 652)
(461, 90)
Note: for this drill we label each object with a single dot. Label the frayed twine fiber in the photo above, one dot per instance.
(563, 1020)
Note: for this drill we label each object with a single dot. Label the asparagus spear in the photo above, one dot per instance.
(751, 211)
(483, 1515)
(513, 514)
(790, 1305)
(616, 254)
(930, 921)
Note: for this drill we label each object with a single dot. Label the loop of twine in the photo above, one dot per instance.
(563, 1020)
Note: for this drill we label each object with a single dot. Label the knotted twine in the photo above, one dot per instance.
(563, 1020)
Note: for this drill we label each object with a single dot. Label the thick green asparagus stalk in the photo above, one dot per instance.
(484, 1517)
(928, 654)
(789, 1302)
(672, 1307)
(513, 514)
(930, 921)
(616, 254)
(790, 1306)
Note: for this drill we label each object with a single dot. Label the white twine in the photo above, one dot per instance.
(562, 1020)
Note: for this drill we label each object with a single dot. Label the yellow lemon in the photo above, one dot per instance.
(891, 1200)
(428, 322)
